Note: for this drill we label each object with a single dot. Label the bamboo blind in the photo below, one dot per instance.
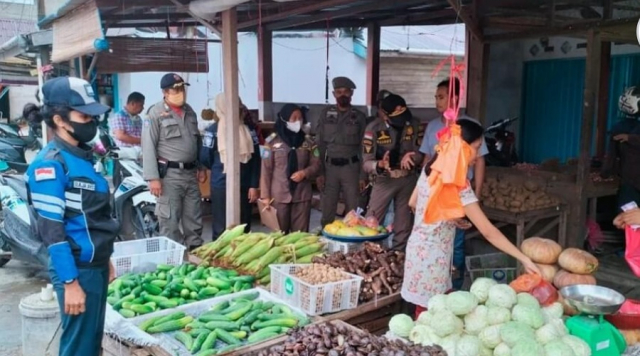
(74, 34)
(129, 54)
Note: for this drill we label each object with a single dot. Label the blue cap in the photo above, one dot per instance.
(172, 80)
(74, 93)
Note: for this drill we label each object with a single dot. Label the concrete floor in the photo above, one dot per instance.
(18, 280)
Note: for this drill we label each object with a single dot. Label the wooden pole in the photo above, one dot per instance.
(477, 75)
(265, 75)
(230, 65)
(603, 100)
(373, 65)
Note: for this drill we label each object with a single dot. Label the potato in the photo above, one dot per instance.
(531, 186)
(515, 203)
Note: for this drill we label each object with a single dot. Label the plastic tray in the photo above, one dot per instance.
(314, 299)
(356, 238)
(346, 247)
(140, 256)
(170, 344)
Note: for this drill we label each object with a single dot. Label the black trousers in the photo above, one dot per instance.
(219, 210)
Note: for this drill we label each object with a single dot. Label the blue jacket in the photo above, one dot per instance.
(209, 157)
(73, 206)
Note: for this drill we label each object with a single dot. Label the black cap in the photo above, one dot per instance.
(172, 80)
(394, 105)
(74, 93)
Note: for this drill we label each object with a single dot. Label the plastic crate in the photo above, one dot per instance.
(141, 256)
(346, 247)
(499, 266)
(314, 299)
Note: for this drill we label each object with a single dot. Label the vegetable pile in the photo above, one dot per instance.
(327, 339)
(505, 195)
(252, 253)
(320, 274)
(170, 286)
(227, 325)
(354, 225)
(491, 319)
(381, 269)
(576, 266)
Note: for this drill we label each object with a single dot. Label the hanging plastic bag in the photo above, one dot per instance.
(632, 251)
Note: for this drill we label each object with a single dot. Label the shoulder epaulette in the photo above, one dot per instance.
(271, 137)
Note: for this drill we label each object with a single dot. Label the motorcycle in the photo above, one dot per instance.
(501, 144)
(133, 204)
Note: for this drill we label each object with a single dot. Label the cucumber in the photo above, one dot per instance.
(197, 343)
(197, 332)
(141, 309)
(155, 298)
(239, 334)
(112, 300)
(247, 296)
(226, 325)
(267, 306)
(266, 316)
(227, 337)
(170, 325)
(207, 292)
(285, 322)
(188, 282)
(136, 291)
(246, 286)
(170, 317)
(169, 304)
(207, 317)
(223, 350)
(223, 292)
(237, 286)
(159, 282)
(218, 283)
(232, 273)
(185, 339)
(243, 279)
(126, 298)
(235, 306)
(127, 305)
(251, 317)
(127, 313)
(210, 341)
(220, 306)
(239, 313)
(268, 329)
(261, 337)
(208, 352)
(153, 305)
(195, 325)
(152, 289)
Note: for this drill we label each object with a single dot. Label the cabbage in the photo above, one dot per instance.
(553, 311)
(468, 345)
(558, 348)
(553, 330)
(423, 335)
(501, 295)
(401, 325)
(437, 302)
(502, 350)
(461, 303)
(527, 300)
(424, 317)
(498, 315)
(530, 316)
(514, 331)
(445, 323)
(475, 321)
(579, 346)
(450, 343)
(490, 336)
(480, 288)
(485, 351)
(527, 347)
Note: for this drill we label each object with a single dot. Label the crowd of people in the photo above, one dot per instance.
(424, 172)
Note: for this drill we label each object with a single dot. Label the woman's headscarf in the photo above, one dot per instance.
(246, 142)
(293, 139)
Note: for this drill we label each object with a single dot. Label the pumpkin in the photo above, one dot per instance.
(568, 309)
(548, 271)
(541, 250)
(564, 279)
(578, 261)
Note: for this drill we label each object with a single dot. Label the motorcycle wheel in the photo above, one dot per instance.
(146, 221)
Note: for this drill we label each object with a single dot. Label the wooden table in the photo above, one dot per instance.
(527, 220)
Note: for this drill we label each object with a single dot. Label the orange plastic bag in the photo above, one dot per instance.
(543, 291)
(525, 283)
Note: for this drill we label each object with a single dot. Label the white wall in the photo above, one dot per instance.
(299, 66)
(19, 96)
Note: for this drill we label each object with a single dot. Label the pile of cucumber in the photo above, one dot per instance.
(169, 286)
(227, 325)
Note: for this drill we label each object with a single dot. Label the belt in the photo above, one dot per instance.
(398, 173)
(182, 165)
(342, 161)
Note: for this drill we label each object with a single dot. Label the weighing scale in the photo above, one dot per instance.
(593, 302)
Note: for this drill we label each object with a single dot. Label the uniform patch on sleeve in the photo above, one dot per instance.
(367, 144)
(146, 122)
(368, 135)
(208, 140)
(315, 151)
(42, 174)
(266, 152)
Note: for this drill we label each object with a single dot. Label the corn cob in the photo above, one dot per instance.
(260, 249)
(244, 246)
(293, 238)
(306, 241)
(271, 256)
(309, 249)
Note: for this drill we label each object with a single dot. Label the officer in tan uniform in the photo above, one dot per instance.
(339, 134)
(391, 152)
(170, 143)
(290, 161)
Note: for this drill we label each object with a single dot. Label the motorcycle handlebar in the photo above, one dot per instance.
(496, 125)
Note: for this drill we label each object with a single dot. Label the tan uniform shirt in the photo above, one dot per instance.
(274, 178)
(379, 138)
(167, 135)
(339, 133)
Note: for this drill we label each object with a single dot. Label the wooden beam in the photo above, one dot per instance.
(143, 17)
(603, 99)
(562, 30)
(299, 10)
(477, 75)
(265, 75)
(592, 82)
(230, 65)
(354, 10)
(204, 22)
(418, 17)
(373, 65)
(471, 24)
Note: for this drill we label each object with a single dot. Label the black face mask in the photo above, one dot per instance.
(343, 101)
(397, 122)
(83, 133)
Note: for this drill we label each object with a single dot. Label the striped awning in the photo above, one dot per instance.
(75, 33)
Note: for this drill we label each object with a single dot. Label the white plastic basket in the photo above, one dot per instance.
(346, 247)
(314, 299)
(141, 256)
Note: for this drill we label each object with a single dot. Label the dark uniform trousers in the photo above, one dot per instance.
(179, 204)
(219, 210)
(293, 216)
(345, 177)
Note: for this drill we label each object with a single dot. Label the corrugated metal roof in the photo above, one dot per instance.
(11, 28)
(442, 39)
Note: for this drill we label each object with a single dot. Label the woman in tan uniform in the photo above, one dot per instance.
(290, 161)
